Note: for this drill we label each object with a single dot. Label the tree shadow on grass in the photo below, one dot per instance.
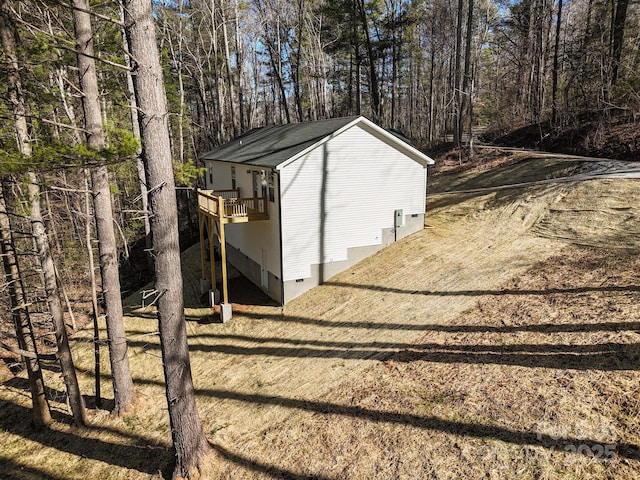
(435, 327)
(11, 469)
(260, 467)
(599, 356)
(603, 357)
(206, 316)
(556, 327)
(502, 292)
(467, 429)
(455, 328)
(142, 455)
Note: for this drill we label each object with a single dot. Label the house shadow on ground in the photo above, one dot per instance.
(242, 292)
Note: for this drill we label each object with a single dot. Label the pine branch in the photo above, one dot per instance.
(59, 42)
(92, 13)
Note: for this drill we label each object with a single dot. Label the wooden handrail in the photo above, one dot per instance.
(230, 193)
(213, 202)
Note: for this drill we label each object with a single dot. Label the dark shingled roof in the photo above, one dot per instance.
(270, 146)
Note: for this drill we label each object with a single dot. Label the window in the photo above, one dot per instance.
(233, 178)
(210, 176)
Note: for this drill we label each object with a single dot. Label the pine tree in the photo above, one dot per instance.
(188, 436)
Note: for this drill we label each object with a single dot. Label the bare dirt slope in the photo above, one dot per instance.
(257, 375)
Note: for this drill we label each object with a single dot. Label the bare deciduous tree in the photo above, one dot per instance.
(38, 228)
(107, 247)
(20, 312)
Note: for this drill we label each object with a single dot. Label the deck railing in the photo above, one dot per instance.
(234, 207)
(255, 204)
(235, 193)
(231, 205)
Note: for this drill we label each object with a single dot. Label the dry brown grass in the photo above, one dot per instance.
(459, 352)
(552, 353)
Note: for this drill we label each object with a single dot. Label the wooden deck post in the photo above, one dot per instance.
(203, 264)
(217, 208)
(223, 251)
(212, 257)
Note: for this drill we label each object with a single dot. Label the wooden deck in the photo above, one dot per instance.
(216, 208)
(228, 207)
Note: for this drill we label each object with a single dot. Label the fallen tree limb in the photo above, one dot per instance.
(18, 351)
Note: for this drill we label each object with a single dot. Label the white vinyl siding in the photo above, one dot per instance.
(342, 195)
(220, 173)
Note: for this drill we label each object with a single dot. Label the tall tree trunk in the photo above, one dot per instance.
(239, 66)
(457, 93)
(94, 289)
(177, 53)
(275, 60)
(297, 87)
(180, 89)
(617, 38)
(554, 76)
(355, 67)
(395, 59)
(374, 88)
(471, 88)
(217, 87)
(135, 129)
(466, 80)
(432, 66)
(229, 79)
(37, 224)
(186, 428)
(55, 305)
(121, 374)
(22, 322)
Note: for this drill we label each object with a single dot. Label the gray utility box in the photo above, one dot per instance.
(398, 220)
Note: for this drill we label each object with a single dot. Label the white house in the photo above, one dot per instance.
(302, 202)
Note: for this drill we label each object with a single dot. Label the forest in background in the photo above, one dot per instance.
(429, 69)
(432, 70)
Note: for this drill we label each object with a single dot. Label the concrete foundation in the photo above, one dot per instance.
(225, 312)
(322, 273)
(251, 269)
(285, 291)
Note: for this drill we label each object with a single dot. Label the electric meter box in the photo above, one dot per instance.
(398, 218)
